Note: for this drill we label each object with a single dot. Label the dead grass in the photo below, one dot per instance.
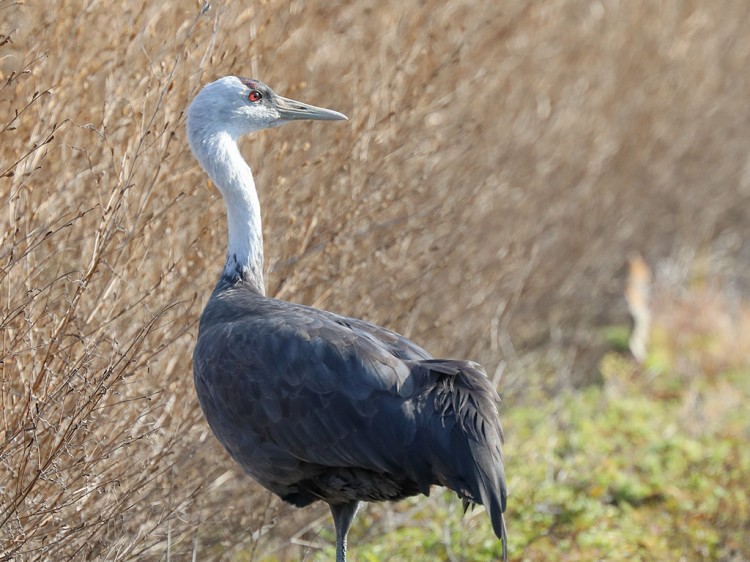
(501, 162)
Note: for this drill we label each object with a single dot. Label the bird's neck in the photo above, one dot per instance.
(221, 158)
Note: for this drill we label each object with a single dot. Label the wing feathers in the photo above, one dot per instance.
(301, 395)
(465, 397)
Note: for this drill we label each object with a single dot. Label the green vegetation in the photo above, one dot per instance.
(631, 469)
(619, 471)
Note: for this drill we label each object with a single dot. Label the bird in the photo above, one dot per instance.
(313, 405)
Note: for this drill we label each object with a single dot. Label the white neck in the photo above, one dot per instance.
(220, 157)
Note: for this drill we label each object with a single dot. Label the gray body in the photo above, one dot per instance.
(316, 406)
(313, 405)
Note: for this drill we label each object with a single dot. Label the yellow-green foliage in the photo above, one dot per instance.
(610, 472)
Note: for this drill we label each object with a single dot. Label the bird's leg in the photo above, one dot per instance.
(343, 515)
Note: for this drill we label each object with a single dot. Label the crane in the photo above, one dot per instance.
(311, 404)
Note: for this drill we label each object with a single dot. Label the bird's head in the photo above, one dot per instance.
(241, 105)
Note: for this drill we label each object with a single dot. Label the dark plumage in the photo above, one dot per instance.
(316, 406)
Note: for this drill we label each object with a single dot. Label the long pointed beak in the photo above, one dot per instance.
(291, 110)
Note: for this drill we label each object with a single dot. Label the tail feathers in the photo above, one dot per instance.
(464, 395)
(495, 510)
(493, 496)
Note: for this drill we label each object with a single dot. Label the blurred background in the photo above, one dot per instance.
(559, 190)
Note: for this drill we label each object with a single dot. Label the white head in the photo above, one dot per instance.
(222, 112)
(239, 106)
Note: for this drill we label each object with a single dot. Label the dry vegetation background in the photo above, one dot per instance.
(501, 163)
